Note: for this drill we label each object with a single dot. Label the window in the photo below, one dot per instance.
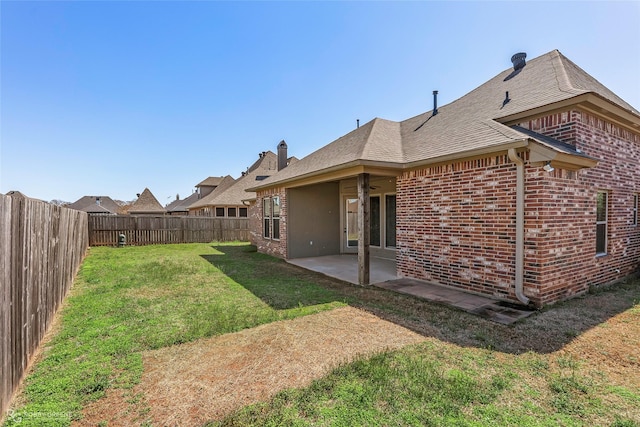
(243, 212)
(231, 212)
(635, 209)
(601, 223)
(271, 217)
(374, 220)
(266, 217)
(390, 220)
(275, 211)
(219, 211)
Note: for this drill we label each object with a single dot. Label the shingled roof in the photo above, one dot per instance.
(479, 122)
(96, 204)
(182, 205)
(234, 194)
(212, 181)
(226, 182)
(146, 204)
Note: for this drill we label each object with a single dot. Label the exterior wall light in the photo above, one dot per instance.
(547, 166)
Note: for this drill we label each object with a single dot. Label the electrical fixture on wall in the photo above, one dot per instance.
(547, 166)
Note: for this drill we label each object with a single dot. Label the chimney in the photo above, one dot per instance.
(518, 61)
(282, 155)
(98, 201)
(435, 103)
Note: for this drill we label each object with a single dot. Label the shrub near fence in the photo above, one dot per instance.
(150, 230)
(41, 248)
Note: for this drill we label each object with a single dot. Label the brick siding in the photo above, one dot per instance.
(563, 235)
(456, 225)
(272, 247)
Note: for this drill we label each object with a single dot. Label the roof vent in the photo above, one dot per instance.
(435, 103)
(518, 60)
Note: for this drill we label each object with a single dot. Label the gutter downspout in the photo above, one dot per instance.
(519, 274)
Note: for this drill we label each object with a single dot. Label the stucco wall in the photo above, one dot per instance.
(314, 220)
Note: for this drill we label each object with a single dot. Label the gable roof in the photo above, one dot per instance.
(90, 204)
(477, 123)
(181, 205)
(236, 192)
(226, 182)
(146, 203)
(212, 181)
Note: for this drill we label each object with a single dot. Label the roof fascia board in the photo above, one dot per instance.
(468, 155)
(540, 154)
(588, 101)
(336, 173)
(354, 168)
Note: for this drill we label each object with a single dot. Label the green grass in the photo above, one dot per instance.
(127, 300)
(469, 372)
(440, 384)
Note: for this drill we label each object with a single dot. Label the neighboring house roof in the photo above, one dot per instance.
(212, 181)
(226, 182)
(233, 195)
(96, 204)
(182, 205)
(477, 123)
(146, 203)
(16, 194)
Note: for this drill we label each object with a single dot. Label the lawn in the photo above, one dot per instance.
(574, 364)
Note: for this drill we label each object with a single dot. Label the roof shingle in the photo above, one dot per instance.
(466, 125)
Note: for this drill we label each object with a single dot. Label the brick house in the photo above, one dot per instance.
(525, 189)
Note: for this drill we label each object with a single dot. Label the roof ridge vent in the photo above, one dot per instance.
(518, 60)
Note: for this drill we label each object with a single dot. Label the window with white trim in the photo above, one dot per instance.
(601, 222)
(266, 217)
(271, 217)
(243, 212)
(219, 211)
(231, 212)
(275, 217)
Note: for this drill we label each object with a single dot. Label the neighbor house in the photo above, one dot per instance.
(233, 200)
(146, 204)
(96, 205)
(203, 189)
(525, 189)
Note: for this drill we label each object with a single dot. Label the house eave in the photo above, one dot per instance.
(469, 154)
(337, 172)
(590, 102)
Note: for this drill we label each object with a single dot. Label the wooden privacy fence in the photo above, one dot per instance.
(41, 248)
(150, 230)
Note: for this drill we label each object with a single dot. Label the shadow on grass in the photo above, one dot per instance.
(269, 278)
(283, 285)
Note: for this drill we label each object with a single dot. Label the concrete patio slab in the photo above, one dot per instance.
(383, 275)
(485, 307)
(345, 267)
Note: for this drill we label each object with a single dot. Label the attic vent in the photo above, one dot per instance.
(518, 61)
(261, 177)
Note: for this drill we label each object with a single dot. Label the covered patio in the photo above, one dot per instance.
(345, 267)
(383, 275)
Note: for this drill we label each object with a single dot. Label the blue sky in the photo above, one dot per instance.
(107, 98)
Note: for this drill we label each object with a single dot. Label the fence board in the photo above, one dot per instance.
(41, 248)
(151, 230)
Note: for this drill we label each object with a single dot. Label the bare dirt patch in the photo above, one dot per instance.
(196, 382)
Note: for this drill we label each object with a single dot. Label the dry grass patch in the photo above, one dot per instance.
(196, 382)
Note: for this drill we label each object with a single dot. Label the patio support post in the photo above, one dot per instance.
(364, 230)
